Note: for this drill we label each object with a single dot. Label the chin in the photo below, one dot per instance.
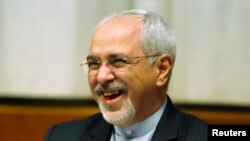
(119, 113)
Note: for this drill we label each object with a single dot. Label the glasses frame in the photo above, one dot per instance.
(128, 60)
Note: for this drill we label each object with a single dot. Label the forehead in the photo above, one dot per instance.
(118, 35)
(125, 22)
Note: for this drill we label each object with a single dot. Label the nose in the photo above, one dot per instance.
(104, 74)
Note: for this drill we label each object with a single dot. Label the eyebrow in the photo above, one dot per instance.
(118, 55)
(110, 56)
(91, 57)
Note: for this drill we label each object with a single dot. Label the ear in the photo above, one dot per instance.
(164, 66)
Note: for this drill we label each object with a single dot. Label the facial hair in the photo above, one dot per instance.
(119, 113)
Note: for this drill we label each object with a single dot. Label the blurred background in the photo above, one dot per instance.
(43, 42)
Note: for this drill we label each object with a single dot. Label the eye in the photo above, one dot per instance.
(118, 62)
(93, 64)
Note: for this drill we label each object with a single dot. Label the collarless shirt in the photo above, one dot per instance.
(143, 130)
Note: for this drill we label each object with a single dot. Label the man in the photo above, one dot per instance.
(129, 64)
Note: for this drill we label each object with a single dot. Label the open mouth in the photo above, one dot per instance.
(110, 95)
(112, 92)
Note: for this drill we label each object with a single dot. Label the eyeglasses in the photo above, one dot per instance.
(115, 62)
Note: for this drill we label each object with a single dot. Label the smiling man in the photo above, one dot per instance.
(130, 61)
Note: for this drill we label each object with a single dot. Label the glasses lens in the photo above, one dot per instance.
(114, 64)
(85, 68)
(88, 71)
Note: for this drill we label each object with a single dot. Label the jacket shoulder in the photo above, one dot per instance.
(193, 128)
(73, 130)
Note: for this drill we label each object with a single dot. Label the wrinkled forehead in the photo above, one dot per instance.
(116, 27)
(121, 20)
(118, 35)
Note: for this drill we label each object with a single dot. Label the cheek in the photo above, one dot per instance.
(136, 85)
(141, 84)
(92, 84)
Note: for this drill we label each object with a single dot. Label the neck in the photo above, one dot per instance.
(145, 113)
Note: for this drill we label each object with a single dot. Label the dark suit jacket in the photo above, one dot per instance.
(174, 125)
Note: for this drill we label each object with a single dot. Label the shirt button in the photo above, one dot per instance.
(129, 132)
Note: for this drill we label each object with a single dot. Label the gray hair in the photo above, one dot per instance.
(156, 37)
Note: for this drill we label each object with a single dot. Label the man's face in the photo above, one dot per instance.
(125, 95)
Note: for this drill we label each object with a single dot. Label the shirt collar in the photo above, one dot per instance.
(143, 127)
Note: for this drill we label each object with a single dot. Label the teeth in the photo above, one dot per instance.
(110, 93)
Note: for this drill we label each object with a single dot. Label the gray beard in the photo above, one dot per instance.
(118, 114)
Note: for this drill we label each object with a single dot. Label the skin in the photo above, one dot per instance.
(121, 35)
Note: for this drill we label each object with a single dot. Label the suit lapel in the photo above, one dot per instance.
(167, 128)
(102, 132)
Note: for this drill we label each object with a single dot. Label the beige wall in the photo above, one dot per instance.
(43, 42)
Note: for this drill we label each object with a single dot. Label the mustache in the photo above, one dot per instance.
(109, 86)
